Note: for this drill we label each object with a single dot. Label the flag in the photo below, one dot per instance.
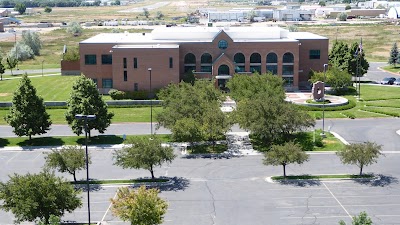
(359, 49)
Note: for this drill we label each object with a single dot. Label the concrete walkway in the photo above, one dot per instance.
(39, 71)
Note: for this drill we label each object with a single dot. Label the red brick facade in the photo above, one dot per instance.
(133, 54)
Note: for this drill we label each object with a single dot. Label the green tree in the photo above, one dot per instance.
(184, 100)
(340, 55)
(336, 78)
(358, 64)
(11, 63)
(2, 68)
(141, 207)
(117, 2)
(72, 54)
(38, 196)
(48, 9)
(21, 52)
(342, 16)
(215, 124)
(143, 153)
(394, 55)
(160, 15)
(146, 12)
(20, 8)
(361, 219)
(69, 159)
(85, 99)
(283, 155)
(186, 130)
(360, 154)
(347, 7)
(322, 3)
(32, 40)
(28, 114)
(74, 28)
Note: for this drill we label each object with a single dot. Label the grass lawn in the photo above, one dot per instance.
(328, 176)
(207, 149)
(132, 181)
(370, 92)
(394, 103)
(391, 68)
(72, 140)
(121, 115)
(50, 88)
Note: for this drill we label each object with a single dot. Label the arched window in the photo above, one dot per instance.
(223, 70)
(239, 60)
(189, 62)
(272, 63)
(288, 68)
(255, 63)
(206, 62)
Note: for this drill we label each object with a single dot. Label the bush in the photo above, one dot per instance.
(48, 9)
(318, 141)
(351, 105)
(72, 54)
(74, 28)
(21, 52)
(32, 40)
(116, 95)
(342, 16)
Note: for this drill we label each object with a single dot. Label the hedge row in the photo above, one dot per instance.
(351, 105)
(394, 114)
(133, 95)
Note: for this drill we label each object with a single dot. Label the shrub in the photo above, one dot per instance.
(72, 54)
(21, 52)
(32, 40)
(318, 141)
(342, 16)
(116, 94)
(48, 9)
(74, 28)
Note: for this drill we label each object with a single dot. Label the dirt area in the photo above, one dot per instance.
(4, 94)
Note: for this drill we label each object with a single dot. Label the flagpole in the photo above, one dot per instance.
(358, 64)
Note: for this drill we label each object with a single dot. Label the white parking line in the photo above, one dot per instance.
(312, 217)
(9, 160)
(337, 200)
(109, 207)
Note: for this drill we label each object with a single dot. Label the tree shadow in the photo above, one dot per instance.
(380, 180)
(211, 156)
(92, 187)
(300, 183)
(4, 142)
(176, 184)
(41, 141)
(102, 140)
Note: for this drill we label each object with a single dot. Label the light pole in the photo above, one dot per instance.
(42, 67)
(16, 48)
(323, 105)
(85, 119)
(151, 106)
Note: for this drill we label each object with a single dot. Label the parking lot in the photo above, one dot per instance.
(235, 191)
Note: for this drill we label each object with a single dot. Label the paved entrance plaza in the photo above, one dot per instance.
(234, 191)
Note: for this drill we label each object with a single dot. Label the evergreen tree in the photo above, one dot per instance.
(357, 61)
(394, 55)
(85, 99)
(2, 68)
(339, 55)
(28, 114)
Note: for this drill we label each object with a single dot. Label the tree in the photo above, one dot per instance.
(38, 196)
(342, 16)
(32, 40)
(20, 7)
(394, 55)
(11, 63)
(2, 68)
(361, 219)
(74, 28)
(336, 78)
(347, 7)
(340, 55)
(215, 124)
(186, 129)
(141, 207)
(293, 28)
(85, 99)
(160, 15)
(282, 155)
(48, 9)
(28, 114)
(117, 2)
(322, 3)
(69, 159)
(146, 12)
(360, 154)
(143, 153)
(358, 64)
(21, 52)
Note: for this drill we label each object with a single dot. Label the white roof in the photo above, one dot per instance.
(176, 35)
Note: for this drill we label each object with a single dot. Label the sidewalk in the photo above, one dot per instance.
(38, 71)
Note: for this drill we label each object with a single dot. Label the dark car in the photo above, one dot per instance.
(388, 80)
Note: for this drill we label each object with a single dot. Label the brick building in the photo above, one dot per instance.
(125, 61)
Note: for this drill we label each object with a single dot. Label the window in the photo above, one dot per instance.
(136, 87)
(189, 62)
(288, 64)
(222, 44)
(90, 60)
(124, 63)
(287, 70)
(255, 63)
(125, 75)
(171, 62)
(107, 83)
(272, 63)
(106, 59)
(288, 58)
(206, 63)
(95, 81)
(239, 60)
(288, 81)
(135, 63)
(315, 54)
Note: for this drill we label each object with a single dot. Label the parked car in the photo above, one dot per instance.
(388, 80)
(397, 81)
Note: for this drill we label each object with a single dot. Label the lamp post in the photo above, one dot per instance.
(323, 105)
(151, 106)
(42, 67)
(16, 47)
(85, 119)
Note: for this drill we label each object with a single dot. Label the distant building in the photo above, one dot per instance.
(122, 60)
(394, 13)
